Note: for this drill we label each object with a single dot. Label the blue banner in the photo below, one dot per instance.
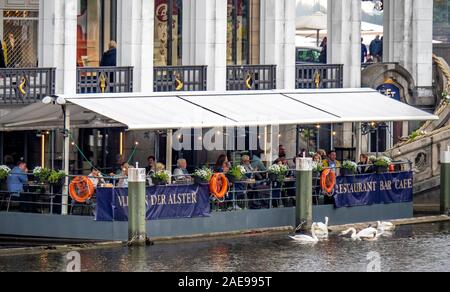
(372, 189)
(163, 202)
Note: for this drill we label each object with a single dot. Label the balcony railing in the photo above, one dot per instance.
(319, 76)
(104, 79)
(180, 78)
(252, 77)
(26, 85)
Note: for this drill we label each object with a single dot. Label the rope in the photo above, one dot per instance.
(89, 161)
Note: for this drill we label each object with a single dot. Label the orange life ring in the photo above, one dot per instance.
(81, 189)
(328, 181)
(218, 185)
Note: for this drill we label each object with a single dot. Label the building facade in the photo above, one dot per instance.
(231, 44)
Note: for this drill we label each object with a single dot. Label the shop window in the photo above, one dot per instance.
(168, 33)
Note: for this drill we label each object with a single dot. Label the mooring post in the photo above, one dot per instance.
(445, 182)
(137, 233)
(304, 193)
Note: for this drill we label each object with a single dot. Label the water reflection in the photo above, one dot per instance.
(409, 248)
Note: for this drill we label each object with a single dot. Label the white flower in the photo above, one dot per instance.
(242, 169)
(37, 170)
(5, 168)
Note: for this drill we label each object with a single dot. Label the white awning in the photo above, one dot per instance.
(39, 116)
(211, 109)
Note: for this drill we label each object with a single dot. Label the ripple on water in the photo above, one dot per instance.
(410, 248)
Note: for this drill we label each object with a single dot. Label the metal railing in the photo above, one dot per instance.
(257, 190)
(319, 76)
(365, 65)
(26, 85)
(252, 77)
(104, 79)
(180, 78)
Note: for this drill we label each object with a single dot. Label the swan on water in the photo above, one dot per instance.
(385, 226)
(365, 234)
(306, 239)
(321, 229)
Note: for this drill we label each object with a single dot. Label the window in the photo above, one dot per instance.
(20, 38)
(96, 27)
(243, 32)
(168, 32)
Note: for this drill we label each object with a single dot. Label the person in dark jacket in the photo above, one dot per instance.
(2, 56)
(376, 49)
(323, 53)
(109, 58)
(363, 52)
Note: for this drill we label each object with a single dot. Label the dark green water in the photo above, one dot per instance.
(410, 248)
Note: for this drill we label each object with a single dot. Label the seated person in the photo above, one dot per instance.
(151, 168)
(181, 174)
(123, 180)
(251, 172)
(17, 179)
(364, 165)
(16, 182)
(96, 177)
(222, 164)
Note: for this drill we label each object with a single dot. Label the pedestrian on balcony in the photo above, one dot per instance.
(109, 58)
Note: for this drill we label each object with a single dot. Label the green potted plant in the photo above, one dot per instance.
(56, 177)
(202, 175)
(236, 173)
(161, 177)
(382, 164)
(4, 172)
(318, 167)
(349, 168)
(41, 174)
(277, 173)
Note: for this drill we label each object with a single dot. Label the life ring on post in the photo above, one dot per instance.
(328, 181)
(218, 185)
(81, 189)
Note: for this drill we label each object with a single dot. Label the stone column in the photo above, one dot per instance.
(205, 38)
(135, 31)
(278, 39)
(408, 39)
(344, 39)
(57, 41)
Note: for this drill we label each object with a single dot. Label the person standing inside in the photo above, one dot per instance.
(324, 52)
(364, 52)
(109, 58)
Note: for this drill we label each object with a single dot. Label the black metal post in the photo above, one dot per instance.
(170, 33)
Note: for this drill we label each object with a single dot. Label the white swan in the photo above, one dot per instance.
(320, 228)
(365, 234)
(385, 226)
(305, 239)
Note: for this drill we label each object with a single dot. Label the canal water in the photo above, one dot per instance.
(409, 248)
